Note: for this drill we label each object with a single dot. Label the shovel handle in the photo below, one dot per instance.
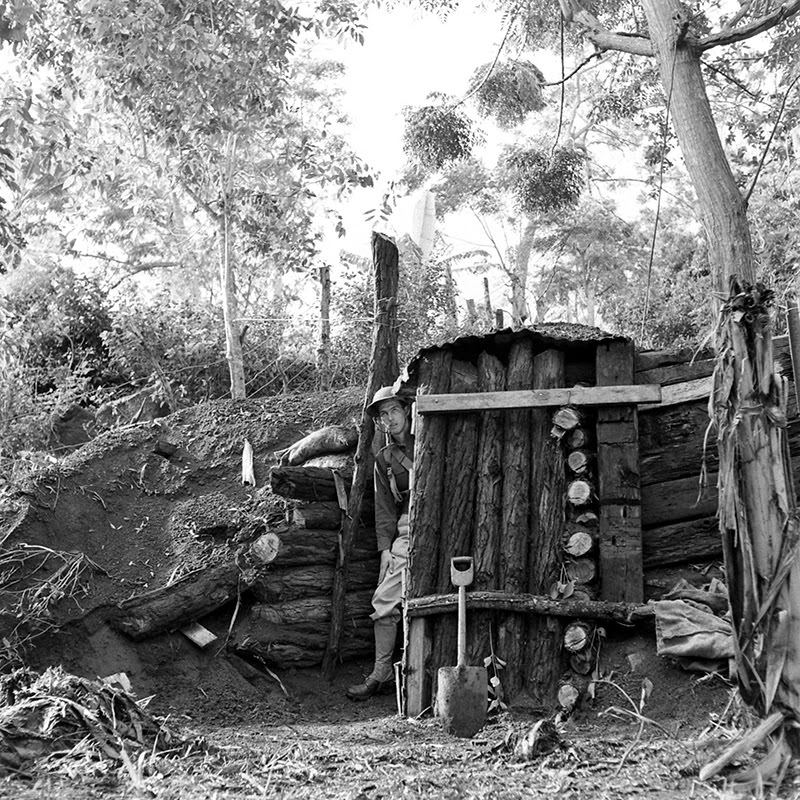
(462, 626)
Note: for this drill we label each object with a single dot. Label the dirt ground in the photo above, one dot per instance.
(312, 742)
(144, 517)
(293, 735)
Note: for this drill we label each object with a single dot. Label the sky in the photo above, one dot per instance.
(406, 55)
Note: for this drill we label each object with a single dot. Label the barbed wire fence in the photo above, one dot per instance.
(286, 356)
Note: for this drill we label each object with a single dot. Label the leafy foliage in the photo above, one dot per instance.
(466, 182)
(172, 339)
(544, 182)
(54, 319)
(438, 134)
(509, 92)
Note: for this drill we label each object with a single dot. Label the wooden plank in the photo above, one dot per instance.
(539, 398)
(682, 542)
(653, 359)
(677, 373)
(671, 443)
(620, 540)
(678, 500)
(521, 603)
(417, 676)
(688, 392)
(201, 636)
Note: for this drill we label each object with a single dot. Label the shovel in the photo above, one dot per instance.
(462, 694)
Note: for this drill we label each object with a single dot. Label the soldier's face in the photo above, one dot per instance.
(392, 417)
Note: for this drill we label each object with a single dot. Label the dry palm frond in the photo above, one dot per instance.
(757, 512)
(64, 718)
(33, 580)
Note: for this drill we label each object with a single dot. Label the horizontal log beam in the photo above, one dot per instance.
(538, 398)
(686, 392)
(627, 613)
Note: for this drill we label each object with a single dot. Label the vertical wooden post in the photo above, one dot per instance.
(383, 369)
(516, 508)
(621, 572)
(424, 528)
(488, 504)
(548, 498)
(324, 347)
(458, 503)
(384, 364)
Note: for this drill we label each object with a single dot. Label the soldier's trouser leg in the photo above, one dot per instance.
(385, 637)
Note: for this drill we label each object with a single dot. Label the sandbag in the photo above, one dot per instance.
(684, 630)
(331, 439)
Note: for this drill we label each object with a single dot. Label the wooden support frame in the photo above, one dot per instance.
(539, 398)
(626, 613)
(621, 568)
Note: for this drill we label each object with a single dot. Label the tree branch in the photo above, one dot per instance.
(596, 54)
(769, 141)
(134, 269)
(785, 11)
(574, 12)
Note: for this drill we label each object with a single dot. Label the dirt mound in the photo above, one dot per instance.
(145, 505)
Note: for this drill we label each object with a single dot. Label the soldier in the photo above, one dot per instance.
(393, 467)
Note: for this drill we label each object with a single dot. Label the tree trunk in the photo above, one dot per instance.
(589, 293)
(721, 205)
(519, 280)
(230, 305)
(324, 349)
(230, 308)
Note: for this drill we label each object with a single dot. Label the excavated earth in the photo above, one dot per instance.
(151, 502)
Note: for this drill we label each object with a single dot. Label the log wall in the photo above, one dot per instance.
(633, 503)
(679, 523)
(496, 485)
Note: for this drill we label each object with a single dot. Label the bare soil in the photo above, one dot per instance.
(144, 517)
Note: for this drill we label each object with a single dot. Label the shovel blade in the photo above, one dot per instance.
(461, 699)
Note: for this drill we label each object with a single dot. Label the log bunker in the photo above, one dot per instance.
(563, 461)
(568, 466)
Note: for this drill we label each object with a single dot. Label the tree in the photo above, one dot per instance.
(208, 92)
(758, 523)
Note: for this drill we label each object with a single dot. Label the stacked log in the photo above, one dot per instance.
(286, 625)
(574, 429)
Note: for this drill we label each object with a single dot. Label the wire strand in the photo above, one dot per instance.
(646, 308)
